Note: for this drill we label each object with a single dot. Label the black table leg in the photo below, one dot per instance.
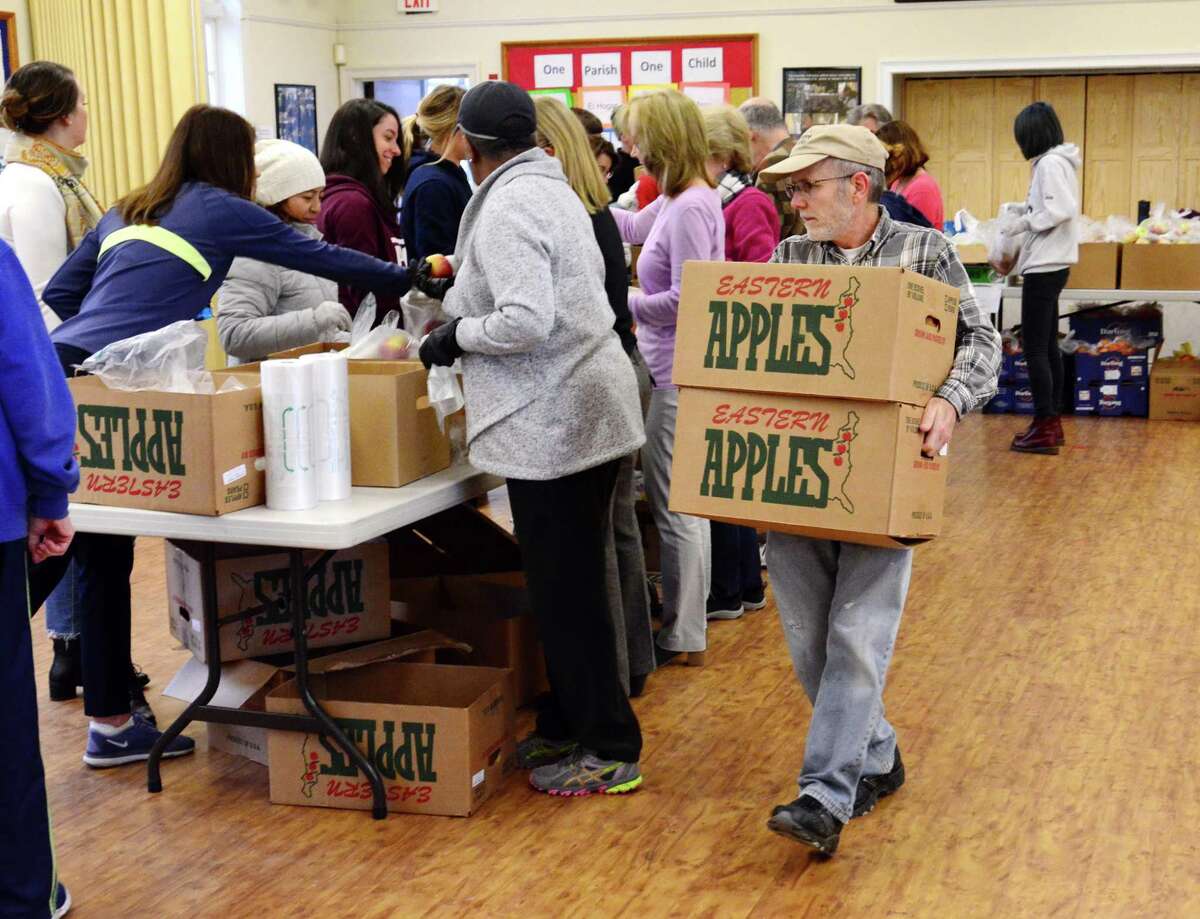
(330, 728)
(212, 653)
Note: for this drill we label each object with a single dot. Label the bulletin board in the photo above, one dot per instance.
(598, 74)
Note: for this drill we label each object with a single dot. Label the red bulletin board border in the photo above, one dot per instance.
(741, 56)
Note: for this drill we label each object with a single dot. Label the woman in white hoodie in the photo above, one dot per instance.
(265, 308)
(1049, 246)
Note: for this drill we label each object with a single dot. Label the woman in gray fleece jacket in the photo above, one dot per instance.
(265, 308)
(552, 404)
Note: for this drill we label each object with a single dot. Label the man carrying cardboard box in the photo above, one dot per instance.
(840, 603)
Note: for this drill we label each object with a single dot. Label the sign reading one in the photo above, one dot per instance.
(551, 71)
(650, 67)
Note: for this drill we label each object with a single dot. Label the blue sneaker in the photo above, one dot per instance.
(62, 902)
(131, 745)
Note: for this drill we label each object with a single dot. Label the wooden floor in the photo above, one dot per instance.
(1043, 687)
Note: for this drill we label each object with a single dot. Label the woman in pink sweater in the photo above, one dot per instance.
(684, 223)
(751, 235)
(906, 171)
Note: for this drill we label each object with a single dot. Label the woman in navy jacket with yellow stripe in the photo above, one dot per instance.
(159, 257)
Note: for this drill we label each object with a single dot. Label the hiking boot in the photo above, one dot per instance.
(807, 820)
(873, 788)
(1039, 437)
(1060, 438)
(583, 773)
(535, 751)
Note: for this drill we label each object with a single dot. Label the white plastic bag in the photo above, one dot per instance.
(170, 359)
(422, 313)
(445, 395)
(385, 342)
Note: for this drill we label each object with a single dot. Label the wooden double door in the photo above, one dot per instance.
(1139, 135)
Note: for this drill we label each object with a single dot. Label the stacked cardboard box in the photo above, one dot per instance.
(801, 392)
(1111, 363)
(1175, 389)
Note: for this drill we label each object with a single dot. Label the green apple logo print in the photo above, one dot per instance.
(843, 326)
(843, 448)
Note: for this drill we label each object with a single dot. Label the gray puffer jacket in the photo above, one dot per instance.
(264, 308)
(548, 388)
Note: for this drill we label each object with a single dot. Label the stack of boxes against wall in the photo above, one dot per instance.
(203, 454)
(1115, 365)
(801, 391)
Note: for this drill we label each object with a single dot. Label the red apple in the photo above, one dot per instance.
(841, 448)
(841, 326)
(837, 461)
(847, 301)
(439, 266)
(842, 314)
(846, 436)
(395, 347)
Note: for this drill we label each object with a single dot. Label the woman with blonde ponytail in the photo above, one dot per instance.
(437, 191)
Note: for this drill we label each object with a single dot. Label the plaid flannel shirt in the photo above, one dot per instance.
(972, 380)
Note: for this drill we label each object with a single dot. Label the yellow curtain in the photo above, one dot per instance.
(141, 64)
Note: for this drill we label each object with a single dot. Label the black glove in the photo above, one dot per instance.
(441, 346)
(424, 281)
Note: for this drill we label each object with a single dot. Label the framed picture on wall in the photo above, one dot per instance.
(296, 114)
(819, 95)
(8, 44)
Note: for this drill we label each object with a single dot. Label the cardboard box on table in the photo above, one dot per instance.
(347, 599)
(245, 684)
(440, 735)
(394, 435)
(183, 452)
(1175, 390)
(1098, 268)
(815, 330)
(1160, 267)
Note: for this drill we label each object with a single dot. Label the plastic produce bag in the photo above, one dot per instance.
(170, 359)
(385, 342)
(445, 395)
(422, 313)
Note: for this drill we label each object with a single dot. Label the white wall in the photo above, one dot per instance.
(289, 41)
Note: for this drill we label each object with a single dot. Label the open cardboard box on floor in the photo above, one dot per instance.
(245, 684)
(440, 735)
(347, 598)
(394, 435)
(1175, 389)
(489, 612)
(160, 451)
(830, 330)
(831, 468)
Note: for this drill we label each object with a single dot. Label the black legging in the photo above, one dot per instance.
(1039, 337)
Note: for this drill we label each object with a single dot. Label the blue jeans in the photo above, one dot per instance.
(62, 606)
(736, 565)
(840, 606)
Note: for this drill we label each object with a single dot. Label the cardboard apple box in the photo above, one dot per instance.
(441, 736)
(830, 468)
(1175, 390)
(246, 684)
(347, 599)
(828, 330)
(1098, 267)
(1158, 266)
(160, 451)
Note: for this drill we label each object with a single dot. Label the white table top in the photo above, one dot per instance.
(369, 513)
(1169, 296)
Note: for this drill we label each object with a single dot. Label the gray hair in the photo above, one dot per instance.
(860, 113)
(762, 115)
(874, 176)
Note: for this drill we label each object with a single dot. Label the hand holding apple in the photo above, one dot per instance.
(434, 276)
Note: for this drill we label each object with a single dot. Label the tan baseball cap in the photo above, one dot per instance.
(853, 143)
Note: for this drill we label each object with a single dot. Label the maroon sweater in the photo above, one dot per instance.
(351, 218)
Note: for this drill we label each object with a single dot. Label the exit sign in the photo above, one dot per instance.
(417, 6)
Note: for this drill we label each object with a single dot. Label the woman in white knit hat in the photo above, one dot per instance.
(264, 308)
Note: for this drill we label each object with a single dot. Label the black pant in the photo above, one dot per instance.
(736, 564)
(27, 881)
(1039, 337)
(105, 564)
(560, 527)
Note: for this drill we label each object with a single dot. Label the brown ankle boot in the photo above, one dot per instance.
(1039, 438)
(1060, 439)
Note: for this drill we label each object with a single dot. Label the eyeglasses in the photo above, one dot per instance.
(805, 189)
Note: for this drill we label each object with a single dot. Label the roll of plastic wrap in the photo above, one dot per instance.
(331, 423)
(287, 388)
